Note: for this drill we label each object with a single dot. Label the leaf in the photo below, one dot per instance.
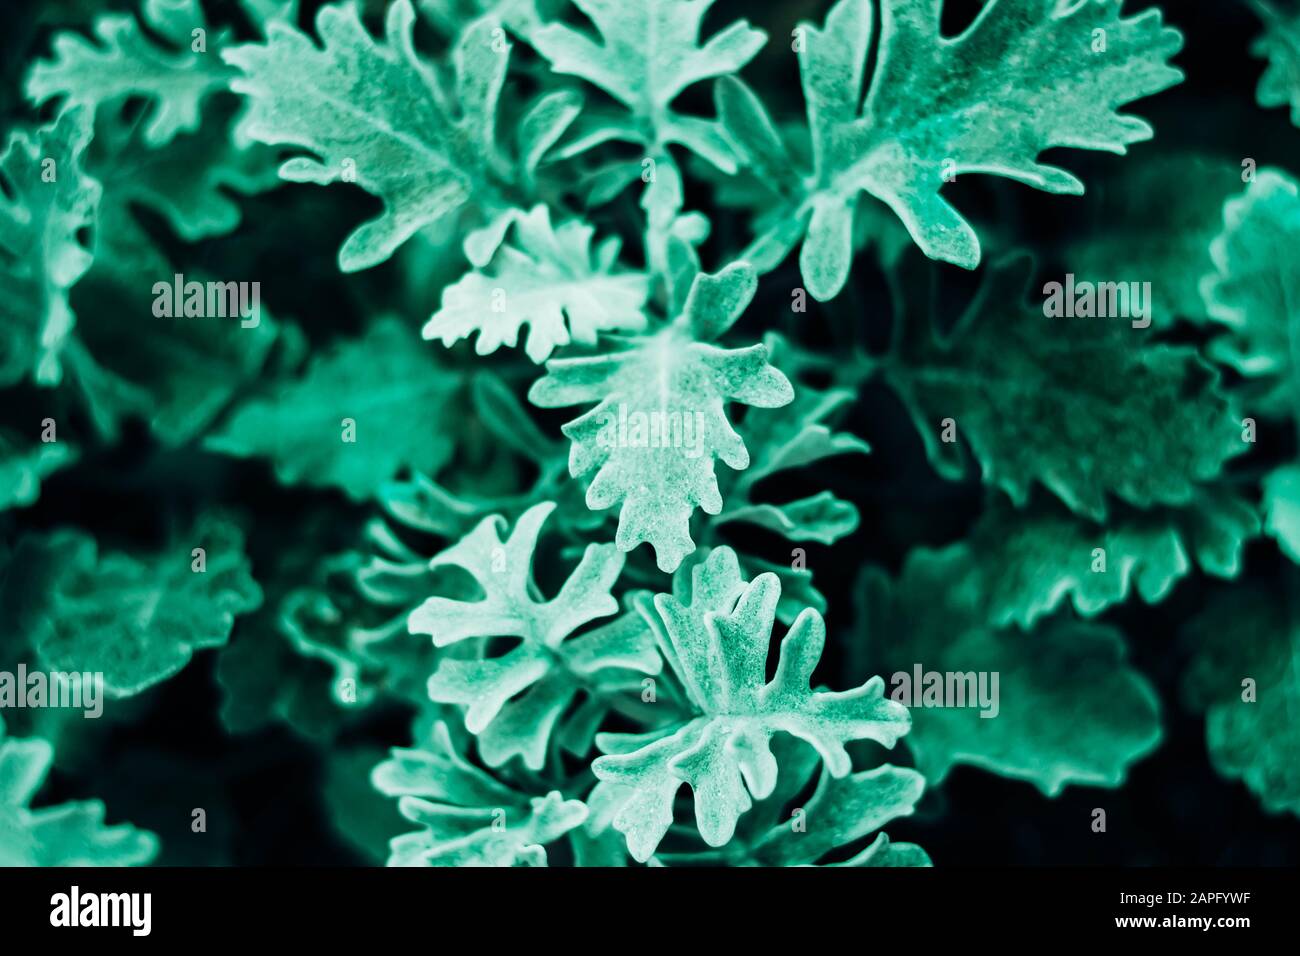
(649, 52)
(453, 17)
(1280, 46)
(184, 372)
(839, 812)
(1022, 564)
(1282, 509)
(550, 275)
(469, 818)
(361, 815)
(660, 419)
(189, 183)
(1026, 76)
(1254, 287)
(360, 412)
(512, 702)
(843, 810)
(68, 834)
(794, 437)
(23, 465)
(716, 644)
(1250, 635)
(1066, 708)
(42, 251)
(375, 114)
(1150, 227)
(1093, 403)
(125, 63)
(139, 617)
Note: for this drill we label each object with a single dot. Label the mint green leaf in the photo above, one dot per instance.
(843, 810)
(189, 183)
(1280, 46)
(126, 63)
(660, 419)
(1246, 678)
(375, 114)
(1067, 707)
(47, 200)
(883, 852)
(140, 617)
(649, 52)
(1282, 509)
(360, 412)
(1254, 287)
(521, 17)
(69, 834)
(186, 370)
(1026, 76)
(1094, 404)
(23, 465)
(1023, 564)
(1149, 227)
(468, 818)
(513, 702)
(778, 831)
(795, 436)
(550, 274)
(716, 644)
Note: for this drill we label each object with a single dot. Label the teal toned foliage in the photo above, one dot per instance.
(69, 834)
(593, 274)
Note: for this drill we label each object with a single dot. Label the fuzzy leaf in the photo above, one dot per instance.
(23, 465)
(359, 413)
(375, 114)
(139, 618)
(1254, 287)
(717, 645)
(1021, 565)
(45, 202)
(1150, 227)
(649, 53)
(469, 819)
(513, 702)
(660, 420)
(1093, 404)
(1066, 709)
(1026, 76)
(68, 834)
(550, 274)
(127, 63)
(1280, 46)
(1245, 678)
(841, 811)
(1282, 509)
(794, 437)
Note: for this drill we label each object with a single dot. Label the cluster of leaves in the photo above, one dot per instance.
(576, 611)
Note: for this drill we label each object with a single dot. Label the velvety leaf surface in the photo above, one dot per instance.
(660, 418)
(139, 618)
(1066, 708)
(1026, 76)
(360, 412)
(468, 818)
(512, 702)
(68, 834)
(377, 115)
(1095, 402)
(547, 276)
(716, 645)
(48, 202)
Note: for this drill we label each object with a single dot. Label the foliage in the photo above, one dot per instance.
(588, 276)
